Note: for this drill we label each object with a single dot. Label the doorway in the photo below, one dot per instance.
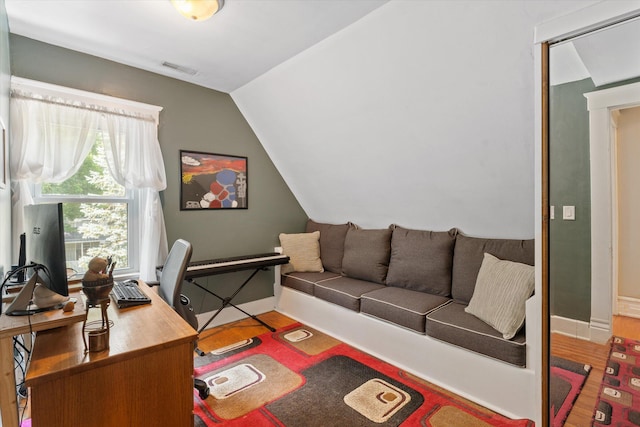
(602, 105)
(626, 291)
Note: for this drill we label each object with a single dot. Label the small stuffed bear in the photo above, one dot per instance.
(97, 270)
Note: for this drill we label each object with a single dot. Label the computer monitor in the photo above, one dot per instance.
(44, 230)
(44, 244)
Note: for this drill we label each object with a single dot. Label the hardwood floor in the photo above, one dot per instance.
(596, 356)
(220, 336)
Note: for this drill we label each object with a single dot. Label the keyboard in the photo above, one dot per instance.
(127, 294)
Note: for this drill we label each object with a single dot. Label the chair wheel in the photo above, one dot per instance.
(203, 389)
(203, 393)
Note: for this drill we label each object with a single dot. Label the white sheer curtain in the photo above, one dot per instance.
(135, 161)
(52, 135)
(49, 142)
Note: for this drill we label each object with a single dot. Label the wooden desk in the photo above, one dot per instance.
(144, 378)
(11, 326)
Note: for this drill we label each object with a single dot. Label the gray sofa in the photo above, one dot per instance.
(419, 280)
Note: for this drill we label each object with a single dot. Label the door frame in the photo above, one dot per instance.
(603, 106)
(585, 20)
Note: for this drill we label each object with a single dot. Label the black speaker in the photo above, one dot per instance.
(22, 257)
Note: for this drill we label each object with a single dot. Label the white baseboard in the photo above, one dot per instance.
(230, 314)
(570, 327)
(600, 330)
(589, 331)
(629, 307)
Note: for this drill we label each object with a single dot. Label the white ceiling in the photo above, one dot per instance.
(241, 42)
(612, 55)
(607, 56)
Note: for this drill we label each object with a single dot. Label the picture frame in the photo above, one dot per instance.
(211, 181)
(3, 156)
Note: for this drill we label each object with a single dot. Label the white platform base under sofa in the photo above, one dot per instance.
(499, 386)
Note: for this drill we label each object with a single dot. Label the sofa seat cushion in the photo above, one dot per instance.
(304, 282)
(452, 324)
(403, 307)
(344, 291)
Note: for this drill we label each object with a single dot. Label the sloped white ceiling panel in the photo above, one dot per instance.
(612, 55)
(420, 114)
(244, 40)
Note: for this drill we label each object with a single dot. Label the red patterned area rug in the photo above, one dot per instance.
(298, 376)
(618, 401)
(567, 380)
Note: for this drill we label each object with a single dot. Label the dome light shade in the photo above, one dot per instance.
(198, 10)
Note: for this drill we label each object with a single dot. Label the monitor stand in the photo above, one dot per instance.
(24, 304)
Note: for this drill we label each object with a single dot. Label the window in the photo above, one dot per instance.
(100, 215)
(101, 158)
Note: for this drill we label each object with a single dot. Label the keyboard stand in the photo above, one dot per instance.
(227, 301)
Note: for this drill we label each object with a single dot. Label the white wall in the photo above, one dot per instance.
(419, 114)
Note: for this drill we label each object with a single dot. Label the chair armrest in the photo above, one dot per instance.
(151, 284)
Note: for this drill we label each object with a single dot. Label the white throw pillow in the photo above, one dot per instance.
(502, 288)
(303, 250)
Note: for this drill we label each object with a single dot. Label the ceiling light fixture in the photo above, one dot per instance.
(198, 10)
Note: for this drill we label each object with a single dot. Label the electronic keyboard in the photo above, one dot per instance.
(238, 263)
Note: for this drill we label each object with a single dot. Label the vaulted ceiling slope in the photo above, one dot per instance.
(244, 40)
(604, 56)
(419, 114)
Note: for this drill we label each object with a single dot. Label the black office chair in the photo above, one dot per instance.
(170, 288)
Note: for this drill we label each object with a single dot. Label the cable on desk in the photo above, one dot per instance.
(22, 354)
(22, 357)
(19, 352)
(10, 274)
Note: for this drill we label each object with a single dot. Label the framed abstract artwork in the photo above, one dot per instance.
(212, 181)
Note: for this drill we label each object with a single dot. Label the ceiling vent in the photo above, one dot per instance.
(180, 68)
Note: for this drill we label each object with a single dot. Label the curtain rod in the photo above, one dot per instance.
(81, 105)
(101, 100)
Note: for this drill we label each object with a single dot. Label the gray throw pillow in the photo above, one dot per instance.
(500, 294)
(366, 254)
(422, 260)
(331, 243)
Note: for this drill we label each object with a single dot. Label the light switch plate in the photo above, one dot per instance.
(552, 212)
(569, 213)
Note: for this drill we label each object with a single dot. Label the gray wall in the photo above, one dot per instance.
(570, 184)
(570, 241)
(193, 118)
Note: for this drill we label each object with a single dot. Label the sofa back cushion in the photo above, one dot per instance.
(366, 254)
(422, 260)
(331, 243)
(469, 252)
